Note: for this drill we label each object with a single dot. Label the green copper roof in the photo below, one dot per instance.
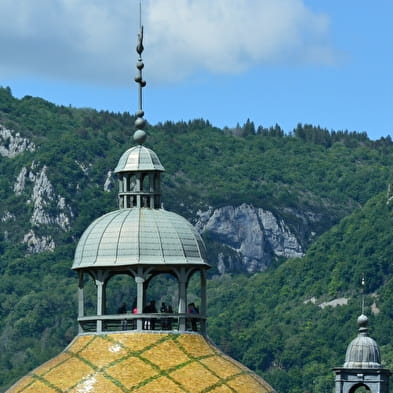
(139, 158)
(363, 351)
(139, 236)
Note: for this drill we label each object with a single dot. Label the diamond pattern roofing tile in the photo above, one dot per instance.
(103, 353)
(97, 383)
(194, 377)
(138, 341)
(145, 362)
(195, 345)
(78, 343)
(132, 373)
(67, 374)
(38, 386)
(242, 381)
(159, 355)
(220, 366)
(63, 357)
(222, 389)
(160, 385)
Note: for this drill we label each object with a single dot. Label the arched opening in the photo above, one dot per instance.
(120, 302)
(120, 290)
(87, 302)
(156, 182)
(145, 183)
(127, 185)
(131, 183)
(90, 295)
(194, 301)
(360, 388)
(161, 298)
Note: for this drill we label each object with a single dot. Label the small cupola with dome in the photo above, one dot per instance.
(362, 366)
(139, 168)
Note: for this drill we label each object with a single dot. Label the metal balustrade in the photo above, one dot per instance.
(176, 322)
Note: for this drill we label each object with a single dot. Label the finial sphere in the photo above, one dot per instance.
(140, 123)
(362, 320)
(140, 137)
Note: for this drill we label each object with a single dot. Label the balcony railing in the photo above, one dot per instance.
(141, 322)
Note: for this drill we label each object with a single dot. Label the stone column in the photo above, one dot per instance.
(81, 299)
(203, 310)
(140, 281)
(100, 286)
(182, 298)
(100, 283)
(138, 183)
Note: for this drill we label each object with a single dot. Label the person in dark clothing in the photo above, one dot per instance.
(149, 323)
(192, 309)
(123, 310)
(153, 311)
(164, 321)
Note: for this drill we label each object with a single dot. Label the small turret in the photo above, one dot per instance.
(139, 171)
(363, 351)
(362, 366)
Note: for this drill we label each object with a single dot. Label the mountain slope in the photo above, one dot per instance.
(251, 195)
(56, 174)
(283, 322)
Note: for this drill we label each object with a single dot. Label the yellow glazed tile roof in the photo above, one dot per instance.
(141, 362)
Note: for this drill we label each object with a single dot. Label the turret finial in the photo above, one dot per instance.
(140, 123)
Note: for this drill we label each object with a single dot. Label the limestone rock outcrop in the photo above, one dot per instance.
(12, 143)
(48, 208)
(254, 234)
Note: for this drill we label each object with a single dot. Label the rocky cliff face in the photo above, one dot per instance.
(12, 144)
(48, 208)
(254, 235)
(249, 238)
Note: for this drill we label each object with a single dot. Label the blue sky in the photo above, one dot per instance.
(323, 62)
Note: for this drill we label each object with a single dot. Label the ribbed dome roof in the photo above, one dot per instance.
(139, 158)
(139, 236)
(363, 351)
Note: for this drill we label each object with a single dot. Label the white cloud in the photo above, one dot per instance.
(94, 40)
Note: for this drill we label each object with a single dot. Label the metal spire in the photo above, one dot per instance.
(363, 284)
(140, 122)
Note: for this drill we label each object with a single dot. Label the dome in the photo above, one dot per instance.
(139, 236)
(363, 351)
(141, 363)
(139, 158)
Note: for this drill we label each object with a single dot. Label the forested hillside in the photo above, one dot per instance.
(281, 322)
(315, 192)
